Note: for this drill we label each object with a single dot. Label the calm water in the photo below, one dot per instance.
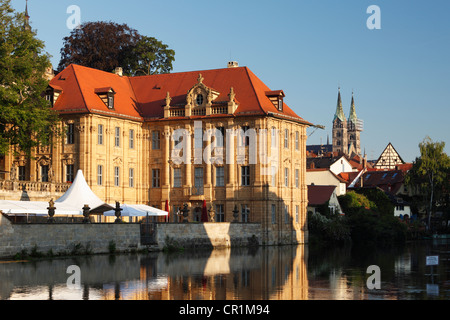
(278, 273)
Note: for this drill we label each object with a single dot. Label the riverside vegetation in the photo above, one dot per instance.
(369, 219)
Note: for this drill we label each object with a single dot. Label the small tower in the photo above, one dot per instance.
(26, 25)
(354, 130)
(340, 136)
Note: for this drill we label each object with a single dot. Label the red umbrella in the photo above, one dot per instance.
(204, 212)
(167, 209)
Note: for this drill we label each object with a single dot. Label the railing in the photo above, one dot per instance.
(8, 185)
(197, 191)
(177, 113)
(199, 112)
(219, 110)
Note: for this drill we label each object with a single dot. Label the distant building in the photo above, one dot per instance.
(389, 159)
(320, 195)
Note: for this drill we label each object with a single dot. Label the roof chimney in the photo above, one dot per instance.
(119, 71)
(233, 64)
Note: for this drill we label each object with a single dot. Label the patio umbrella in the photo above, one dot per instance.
(168, 210)
(204, 212)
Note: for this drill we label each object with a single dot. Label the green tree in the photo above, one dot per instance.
(26, 119)
(149, 56)
(107, 45)
(430, 173)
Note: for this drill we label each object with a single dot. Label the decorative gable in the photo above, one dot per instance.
(389, 159)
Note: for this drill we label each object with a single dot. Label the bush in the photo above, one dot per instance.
(327, 230)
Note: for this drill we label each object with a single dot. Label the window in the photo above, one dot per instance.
(177, 178)
(273, 138)
(99, 175)
(200, 99)
(131, 139)
(220, 215)
(274, 214)
(22, 173)
(155, 178)
(245, 213)
(220, 137)
(156, 138)
(70, 173)
(100, 134)
(297, 144)
(131, 178)
(116, 176)
(198, 180)
(117, 137)
(44, 173)
(286, 177)
(280, 104)
(297, 214)
(274, 176)
(110, 100)
(286, 214)
(245, 142)
(286, 139)
(220, 176)
(245, 175)
(70, 134)
(296, 178)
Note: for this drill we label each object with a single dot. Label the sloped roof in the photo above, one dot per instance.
(144, 97)
(80, 88)
(318, 195)
(387, 180)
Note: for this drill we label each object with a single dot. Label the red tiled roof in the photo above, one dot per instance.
(318, 195)
(144, 97)
(79, 95)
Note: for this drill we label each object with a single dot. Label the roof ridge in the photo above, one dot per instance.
(253, 87)
(79, 86)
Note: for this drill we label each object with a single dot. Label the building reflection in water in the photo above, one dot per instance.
(228, 274)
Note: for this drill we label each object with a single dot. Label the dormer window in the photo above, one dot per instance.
(107, 95)
(276, 97)
(280, 104)
(110, 100)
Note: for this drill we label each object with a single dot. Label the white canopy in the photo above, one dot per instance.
(80, 194)
(138, 210)
(38, 208)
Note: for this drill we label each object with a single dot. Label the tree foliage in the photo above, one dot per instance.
(430, 173)
(26, 118)
(107, 45)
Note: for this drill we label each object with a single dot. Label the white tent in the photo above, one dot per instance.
(80, 194)
(137, 210)
(37, 208)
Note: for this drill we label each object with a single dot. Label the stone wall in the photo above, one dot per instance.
(65, 238)
(213, 235)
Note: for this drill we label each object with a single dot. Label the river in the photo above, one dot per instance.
(272, 273)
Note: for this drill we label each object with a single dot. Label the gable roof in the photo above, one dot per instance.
(144, 97)
(318, 195)
(389, 158)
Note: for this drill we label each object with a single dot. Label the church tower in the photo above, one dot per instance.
(340, 135)
(26, 25)
(354, 128)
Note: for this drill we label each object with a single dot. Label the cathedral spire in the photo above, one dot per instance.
(26, 24)
(339, 110)
(353, 118)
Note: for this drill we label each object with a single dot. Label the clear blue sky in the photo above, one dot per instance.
(400, 74)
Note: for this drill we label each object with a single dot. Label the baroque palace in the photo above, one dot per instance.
(216, 136)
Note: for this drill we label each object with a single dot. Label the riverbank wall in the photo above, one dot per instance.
(66, 239)
(208, 235)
